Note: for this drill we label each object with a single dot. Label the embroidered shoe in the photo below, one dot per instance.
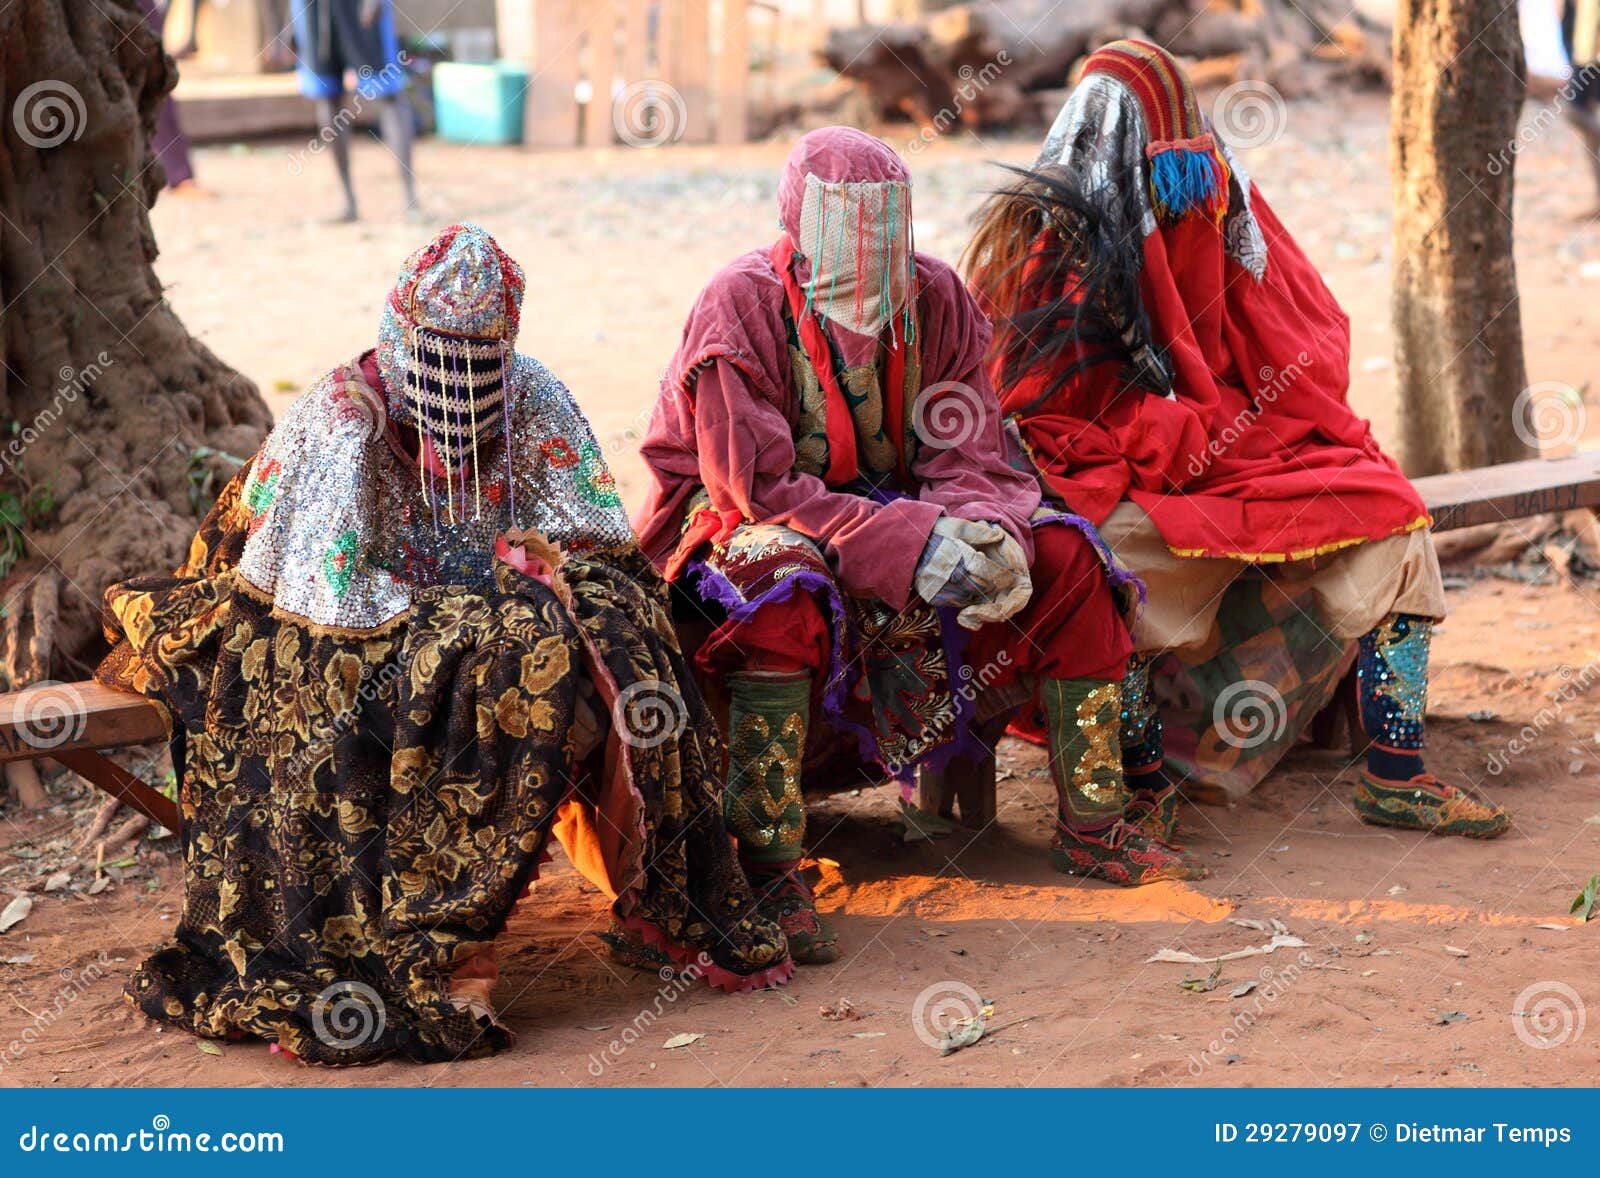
(1121, 854)
(628, 947)
(1427, 804)
(1154, 813)
(784, 899)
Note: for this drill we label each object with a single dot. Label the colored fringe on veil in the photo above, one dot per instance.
(1188, 176)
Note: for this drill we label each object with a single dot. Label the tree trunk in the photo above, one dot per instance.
(1458, 88)
(118, 426)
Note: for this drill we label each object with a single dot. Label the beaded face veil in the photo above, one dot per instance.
(444, 350)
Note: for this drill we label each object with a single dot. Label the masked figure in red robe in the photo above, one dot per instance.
(1178, 372)
(833, 490)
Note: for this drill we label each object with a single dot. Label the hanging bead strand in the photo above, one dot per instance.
(505, 408)
(413, 383)
(472, 408)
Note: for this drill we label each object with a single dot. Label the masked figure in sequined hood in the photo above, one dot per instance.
(833, 490)
(413, 641)
(1179, 372)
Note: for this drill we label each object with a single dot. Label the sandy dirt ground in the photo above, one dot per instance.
(1426, 962)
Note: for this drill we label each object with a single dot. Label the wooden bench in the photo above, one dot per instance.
(1495, 494)
(71, 722)
(1461, 499)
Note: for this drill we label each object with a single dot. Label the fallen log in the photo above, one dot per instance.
(1004, 62)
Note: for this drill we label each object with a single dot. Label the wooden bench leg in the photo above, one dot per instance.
(105, 774)
(1340, 717)
(963, 782)
(23, 778)
(936, 792)
(975, 791)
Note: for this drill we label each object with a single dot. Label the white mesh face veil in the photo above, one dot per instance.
(856, 236)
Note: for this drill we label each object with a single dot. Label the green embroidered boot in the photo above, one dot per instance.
(1084, 718)
(1427, 804)
(765, 811)
(1155, 813)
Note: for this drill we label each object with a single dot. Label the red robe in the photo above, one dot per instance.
(1257, 456)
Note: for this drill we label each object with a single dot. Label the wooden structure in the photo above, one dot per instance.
(1515, 490)
(72, 722)
(1001, 63)
(241, 37)
(639, 72)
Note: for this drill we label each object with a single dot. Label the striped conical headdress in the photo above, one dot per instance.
(1187, 173)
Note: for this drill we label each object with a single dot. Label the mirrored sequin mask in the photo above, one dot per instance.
(445, 346)
(456, 306)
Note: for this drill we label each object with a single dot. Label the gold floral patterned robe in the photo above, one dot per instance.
(363, 807)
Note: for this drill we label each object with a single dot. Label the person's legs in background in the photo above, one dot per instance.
(170, 144)
(1153, 802)
(277, 33)
(371, 44)
(190, 45)
(1583, 107)
(333, 129)
(396, 124)
(335, 36)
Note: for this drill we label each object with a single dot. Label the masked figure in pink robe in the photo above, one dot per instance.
(834, 492)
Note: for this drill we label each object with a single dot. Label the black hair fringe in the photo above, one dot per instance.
(1080, 304)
